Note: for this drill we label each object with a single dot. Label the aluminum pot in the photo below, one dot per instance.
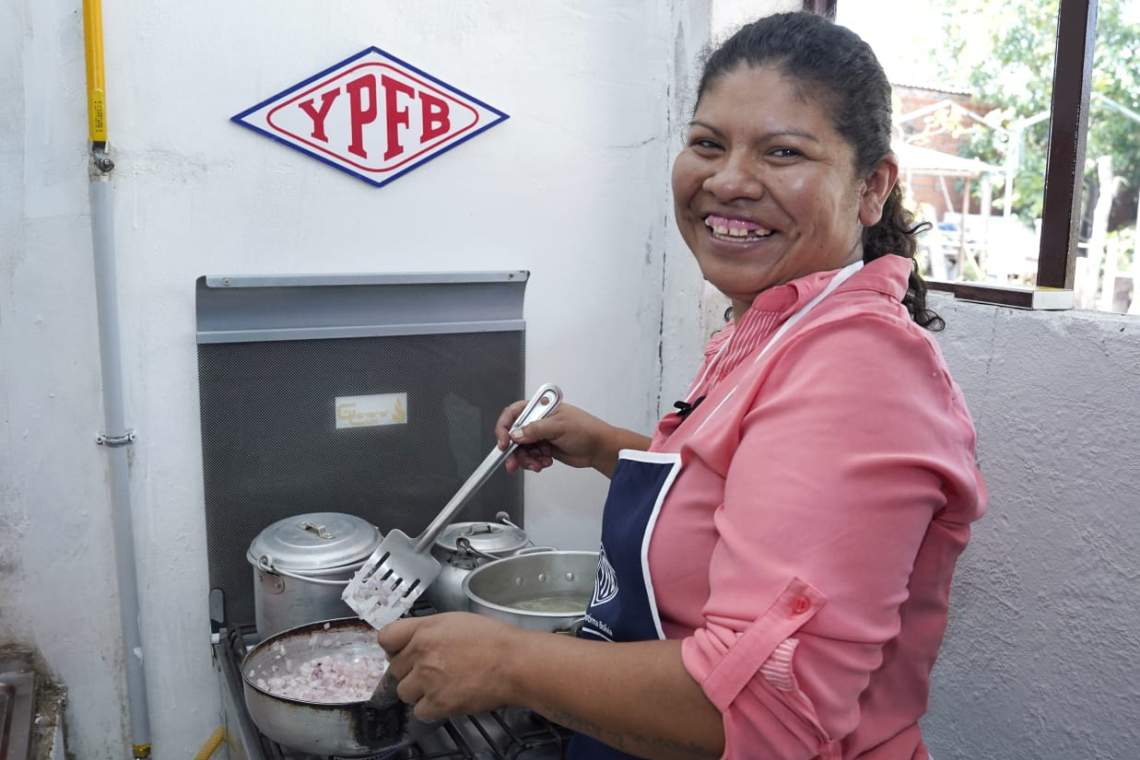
(352, 729)
(301, 565)
(543, 591)
(464, 546)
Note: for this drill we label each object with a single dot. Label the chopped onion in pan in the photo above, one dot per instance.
(335, 678)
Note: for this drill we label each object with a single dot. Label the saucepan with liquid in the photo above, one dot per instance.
(543, 591)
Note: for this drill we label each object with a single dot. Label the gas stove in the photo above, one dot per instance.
(508, 734)
(300, 379)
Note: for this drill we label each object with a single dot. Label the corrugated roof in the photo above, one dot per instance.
(917, 160)
(932, 88)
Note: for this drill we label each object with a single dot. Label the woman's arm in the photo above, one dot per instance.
(636, 697)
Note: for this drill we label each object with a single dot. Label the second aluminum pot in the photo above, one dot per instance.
(464, 546)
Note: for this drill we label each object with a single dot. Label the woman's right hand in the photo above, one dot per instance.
(569, 434)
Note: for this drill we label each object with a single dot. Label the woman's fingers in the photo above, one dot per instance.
(547, 429)
(534, 457)
(410, 690)
(449, 666)
(568, 435)
(507, 418)
(427, 711)
(396, 635)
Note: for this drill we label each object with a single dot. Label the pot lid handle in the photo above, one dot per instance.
(505, 519)
(317, 528)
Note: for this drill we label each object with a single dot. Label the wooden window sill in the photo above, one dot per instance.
(1018, 298)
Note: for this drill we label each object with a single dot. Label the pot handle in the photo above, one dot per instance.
(573, 628)
(464, 545)
(265, 564)
(505, 519)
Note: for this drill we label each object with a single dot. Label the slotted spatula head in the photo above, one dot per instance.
(391, 580)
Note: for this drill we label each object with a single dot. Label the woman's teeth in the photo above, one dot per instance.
(732, 228)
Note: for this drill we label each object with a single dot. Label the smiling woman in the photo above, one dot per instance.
(775, 566)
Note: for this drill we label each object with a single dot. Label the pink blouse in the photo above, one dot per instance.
(805, 551)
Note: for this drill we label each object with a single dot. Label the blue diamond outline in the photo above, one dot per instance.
(240, 118)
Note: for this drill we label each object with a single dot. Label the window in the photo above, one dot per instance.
(1066, 199)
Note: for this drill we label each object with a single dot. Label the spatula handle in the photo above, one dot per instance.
(541, 405)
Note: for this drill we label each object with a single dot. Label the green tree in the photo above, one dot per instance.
(1003, 52)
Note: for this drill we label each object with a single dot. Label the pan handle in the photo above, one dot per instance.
(535, 550)
(573, 628)
(385, 692)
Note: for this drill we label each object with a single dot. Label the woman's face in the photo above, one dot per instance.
(765, 189)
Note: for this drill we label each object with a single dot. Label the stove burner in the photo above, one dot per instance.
(511, 733)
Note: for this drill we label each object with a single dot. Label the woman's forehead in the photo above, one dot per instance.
(771, 74)
(766, 94)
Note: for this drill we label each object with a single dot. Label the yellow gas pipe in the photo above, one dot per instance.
(211, 745)
(96, 95)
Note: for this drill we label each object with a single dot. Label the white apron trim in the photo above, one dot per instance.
(653, 457)
(840, 277)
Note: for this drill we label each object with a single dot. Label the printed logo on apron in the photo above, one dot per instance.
(605, 585)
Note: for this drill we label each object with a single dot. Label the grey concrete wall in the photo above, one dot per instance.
(1042, 656)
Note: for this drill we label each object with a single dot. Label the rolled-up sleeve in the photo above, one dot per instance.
(849, 446)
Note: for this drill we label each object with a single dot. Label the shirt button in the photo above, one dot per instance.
(800, 605)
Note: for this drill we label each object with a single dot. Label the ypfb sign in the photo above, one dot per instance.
(373, 116)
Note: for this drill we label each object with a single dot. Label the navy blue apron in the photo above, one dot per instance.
(624, 607)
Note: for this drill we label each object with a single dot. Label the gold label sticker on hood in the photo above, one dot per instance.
(371, 411)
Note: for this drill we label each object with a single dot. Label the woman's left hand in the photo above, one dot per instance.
(449, 664)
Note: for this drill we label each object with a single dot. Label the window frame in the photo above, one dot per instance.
(1064, 168)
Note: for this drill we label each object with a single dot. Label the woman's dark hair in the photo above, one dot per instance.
(833, 65)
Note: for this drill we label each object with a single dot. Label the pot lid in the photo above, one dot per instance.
(315, 541)
(489, 537)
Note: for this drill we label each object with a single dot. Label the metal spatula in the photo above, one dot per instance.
(401, 568)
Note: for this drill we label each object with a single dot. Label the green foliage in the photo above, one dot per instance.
(1002, 51)
(1122, 241)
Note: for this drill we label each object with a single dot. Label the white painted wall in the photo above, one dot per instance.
(1040, 661)
(728, 15)
(570, 188)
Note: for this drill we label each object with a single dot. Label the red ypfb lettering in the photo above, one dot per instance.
(435, 117)
(318, 116)
(394, 115)
(361, 114)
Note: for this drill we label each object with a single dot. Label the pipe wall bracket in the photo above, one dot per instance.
(101, 157)
(114, 441)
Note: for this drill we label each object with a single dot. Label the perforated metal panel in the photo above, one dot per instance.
(271, 447)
